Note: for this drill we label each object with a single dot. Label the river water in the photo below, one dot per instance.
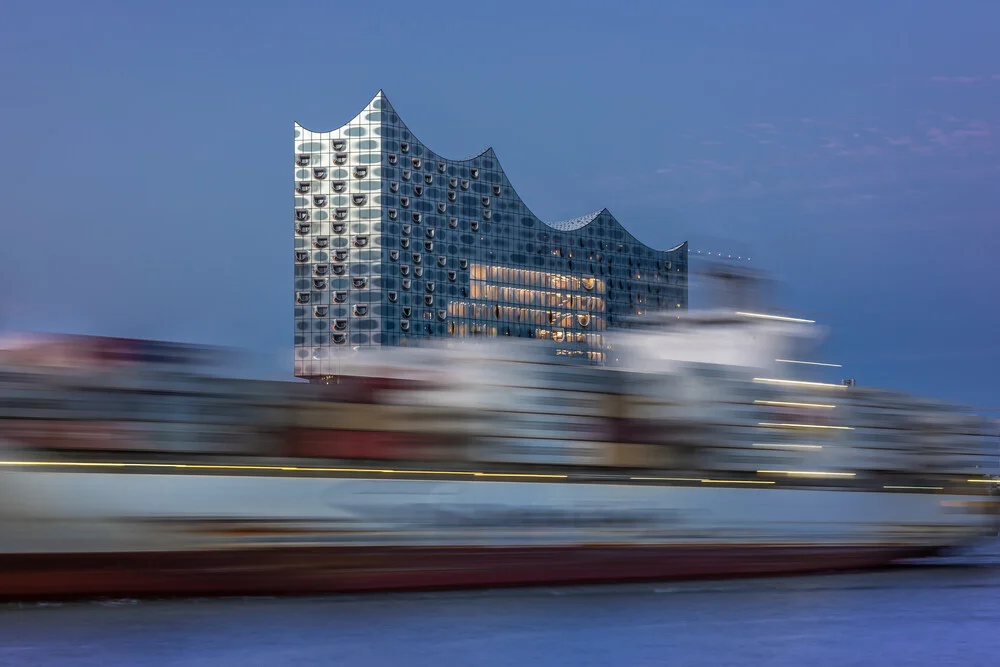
(944, 613)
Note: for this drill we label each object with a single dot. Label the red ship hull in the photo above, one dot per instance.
(335, 570)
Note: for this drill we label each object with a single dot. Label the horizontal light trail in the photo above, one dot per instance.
(808, 363)
(703, 481)
(806, 473)
(984, 481)
(800, 383)
(898, 486)
(785, 425)
(736, 481)
(784, 445)
(209, 466)
(793, 404)
(780, 318)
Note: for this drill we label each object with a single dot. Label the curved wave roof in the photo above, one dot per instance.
(486, 158)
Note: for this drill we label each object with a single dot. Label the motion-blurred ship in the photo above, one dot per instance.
(127, 471)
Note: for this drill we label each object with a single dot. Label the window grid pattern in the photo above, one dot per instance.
(394, 243)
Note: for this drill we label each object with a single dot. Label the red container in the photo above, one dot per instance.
(331, 444)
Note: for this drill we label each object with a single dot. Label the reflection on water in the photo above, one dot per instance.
(926, 615)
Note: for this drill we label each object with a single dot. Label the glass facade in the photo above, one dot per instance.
(395, 243)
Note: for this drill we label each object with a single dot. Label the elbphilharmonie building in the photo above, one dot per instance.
(394, 243)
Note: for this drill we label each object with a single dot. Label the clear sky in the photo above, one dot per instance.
(848, 147)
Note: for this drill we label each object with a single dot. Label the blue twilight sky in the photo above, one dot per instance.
(850, 148)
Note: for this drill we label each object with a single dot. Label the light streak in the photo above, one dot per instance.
(781, 445)
(703, 481)
(780, 318)
(808, 363)
(800, 383)
(211, 466)
(899, 486)
(806, 473)
(793, 404)
(735, 481)
(784, 425)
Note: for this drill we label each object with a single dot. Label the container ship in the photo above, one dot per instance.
(129, 469)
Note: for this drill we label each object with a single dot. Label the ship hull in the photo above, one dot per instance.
(85, 534)
(339, 570)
